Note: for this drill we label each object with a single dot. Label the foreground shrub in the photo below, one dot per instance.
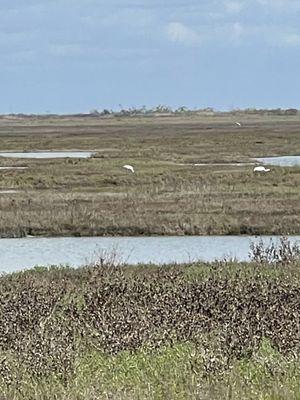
(50, 317)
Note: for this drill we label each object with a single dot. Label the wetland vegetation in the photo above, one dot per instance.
(167, 195)
(225, 330)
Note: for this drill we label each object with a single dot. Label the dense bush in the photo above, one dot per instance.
(49, 318)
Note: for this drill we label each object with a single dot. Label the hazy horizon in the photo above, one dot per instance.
(64, 56)
(173, 109)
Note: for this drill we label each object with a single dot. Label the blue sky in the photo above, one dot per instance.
(76, 55)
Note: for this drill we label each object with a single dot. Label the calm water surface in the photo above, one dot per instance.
(284, 161)
(13, 168)
(16, 254)
(48, 154)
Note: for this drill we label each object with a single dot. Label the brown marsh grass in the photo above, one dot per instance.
(166, 195)
(222, 330)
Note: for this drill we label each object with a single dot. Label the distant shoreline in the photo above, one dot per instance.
(158, 112)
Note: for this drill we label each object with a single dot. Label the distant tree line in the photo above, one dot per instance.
(162, 110)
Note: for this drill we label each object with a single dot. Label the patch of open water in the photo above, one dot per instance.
(48, 154)
(282, 161)
(224, 164)
(13, 168)
(18, 254)
(8, 191)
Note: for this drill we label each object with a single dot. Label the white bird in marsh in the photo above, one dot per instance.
(129, 168)
(238, 124)
(260, 168)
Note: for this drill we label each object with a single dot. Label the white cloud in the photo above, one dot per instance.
(180, 33)
(89, 24)
(235, 33)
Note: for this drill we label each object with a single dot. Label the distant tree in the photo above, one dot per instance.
(94, 112)
(162, 109)
(291, 111)
(182, 109)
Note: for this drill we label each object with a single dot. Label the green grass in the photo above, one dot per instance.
(176, 372)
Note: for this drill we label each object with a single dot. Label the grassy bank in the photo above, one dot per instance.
(203, 331)
(167, 195)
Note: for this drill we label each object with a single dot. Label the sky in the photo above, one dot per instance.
(64, 56)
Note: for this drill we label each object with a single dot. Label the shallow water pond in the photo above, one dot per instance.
(48, 154)
(8, 191)
(17, 254)
(237, 164)
(13, 168)
(283, 161)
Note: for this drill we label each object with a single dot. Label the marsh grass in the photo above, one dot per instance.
(169, 373)
(203, 331)
(167, 195)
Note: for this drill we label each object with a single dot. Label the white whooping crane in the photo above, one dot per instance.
(260, 168)
(238, 124)
(129, 168)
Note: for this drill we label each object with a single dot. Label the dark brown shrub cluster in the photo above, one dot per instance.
(49, 317)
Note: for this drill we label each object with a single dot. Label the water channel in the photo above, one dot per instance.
(47, 154)
(17, 254)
